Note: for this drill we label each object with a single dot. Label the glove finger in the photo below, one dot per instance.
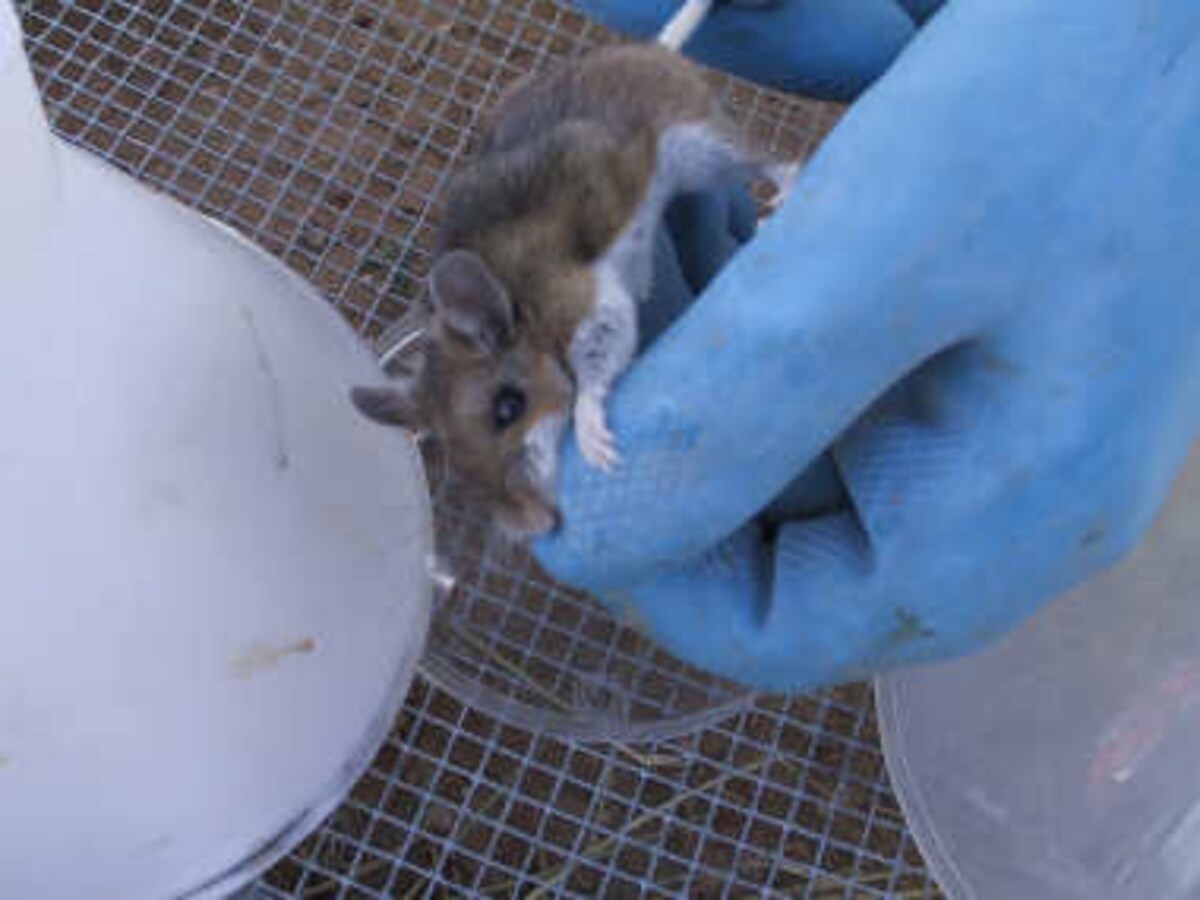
(831, 49)
(815, 608)
(695, 230)
(723, 612)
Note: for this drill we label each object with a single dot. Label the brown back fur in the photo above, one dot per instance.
(563, 163)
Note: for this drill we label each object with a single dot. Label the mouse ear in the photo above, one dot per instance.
(469, 302)
(396, 404)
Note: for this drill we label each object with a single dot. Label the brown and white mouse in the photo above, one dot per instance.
(545, 251)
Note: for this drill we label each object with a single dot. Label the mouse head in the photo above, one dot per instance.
(494, 399)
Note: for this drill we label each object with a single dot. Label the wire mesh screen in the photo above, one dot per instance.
(324, 130)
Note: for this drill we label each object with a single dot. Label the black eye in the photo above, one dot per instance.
(507, 406)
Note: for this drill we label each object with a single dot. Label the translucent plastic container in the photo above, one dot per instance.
(532, 652)
(1064, 762)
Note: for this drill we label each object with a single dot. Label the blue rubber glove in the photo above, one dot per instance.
(830, 49)
(983, 300)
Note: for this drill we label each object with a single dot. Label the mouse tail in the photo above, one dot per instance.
(684, 23)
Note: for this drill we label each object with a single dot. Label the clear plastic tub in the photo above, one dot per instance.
(1064, 762)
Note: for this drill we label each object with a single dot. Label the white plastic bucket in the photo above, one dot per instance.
(213, 582)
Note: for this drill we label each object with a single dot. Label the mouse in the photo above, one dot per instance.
(543, 254)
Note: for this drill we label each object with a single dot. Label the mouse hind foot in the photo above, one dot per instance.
(783, 178)
(699, 156)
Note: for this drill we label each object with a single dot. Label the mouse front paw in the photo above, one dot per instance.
(596, 442)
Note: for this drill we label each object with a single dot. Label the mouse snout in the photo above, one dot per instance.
(526, 517)
(527, 506)
(536, 468)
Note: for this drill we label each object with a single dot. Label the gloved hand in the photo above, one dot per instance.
(983, 299)
(830, 49)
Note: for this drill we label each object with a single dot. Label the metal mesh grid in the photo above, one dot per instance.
(323, 129)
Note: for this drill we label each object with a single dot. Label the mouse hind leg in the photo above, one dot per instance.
(700, 156)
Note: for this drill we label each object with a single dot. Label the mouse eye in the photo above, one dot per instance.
(507, 406)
